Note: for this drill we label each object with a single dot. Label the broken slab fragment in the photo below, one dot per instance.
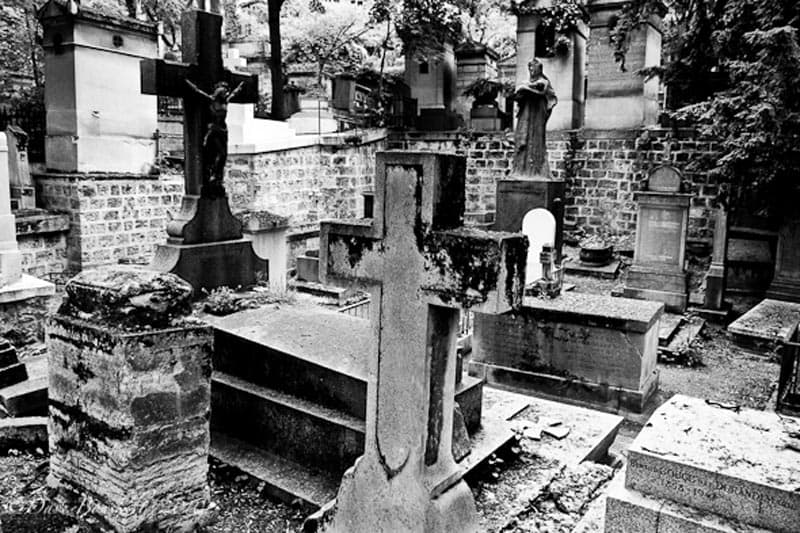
(129, 401)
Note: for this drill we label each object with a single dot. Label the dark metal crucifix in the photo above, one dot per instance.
(206, 88)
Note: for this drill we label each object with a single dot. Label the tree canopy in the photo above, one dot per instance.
(732, 68)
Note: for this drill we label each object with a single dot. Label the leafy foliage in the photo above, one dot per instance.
(562, 15)
(338, 40)
(424, 26)
(749, 51)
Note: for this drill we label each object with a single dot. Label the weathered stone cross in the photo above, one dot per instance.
(420, 267)
(196, 80)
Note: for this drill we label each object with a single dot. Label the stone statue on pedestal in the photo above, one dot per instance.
(535, 101)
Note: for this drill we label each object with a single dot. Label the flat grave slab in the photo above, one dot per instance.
(335, 340)
(735, 463)
(580, 268)
(26, 287)
(769, 321)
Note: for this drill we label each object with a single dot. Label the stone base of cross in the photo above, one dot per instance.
(421, 267)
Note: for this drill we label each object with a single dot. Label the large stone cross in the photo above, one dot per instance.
(195, 80)
(420, 267)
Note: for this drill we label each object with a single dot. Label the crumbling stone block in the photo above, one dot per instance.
(130, 382)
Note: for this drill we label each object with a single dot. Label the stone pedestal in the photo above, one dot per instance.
(129, 402)
(699, 467)
(786, 283)
(658, 271)
(517, 196)
(617, 98)
(267, 233)
(567, 72)
(97, 118)
(715, 278)
(206, 247)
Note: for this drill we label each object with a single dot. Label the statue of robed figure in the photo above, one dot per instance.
(535, 101)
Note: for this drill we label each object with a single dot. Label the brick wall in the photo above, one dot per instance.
(111, 217)
(42, 241)
(114, 217)
(603, 170)
(306, 184)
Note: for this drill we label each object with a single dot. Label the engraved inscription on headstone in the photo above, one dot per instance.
(661, 235)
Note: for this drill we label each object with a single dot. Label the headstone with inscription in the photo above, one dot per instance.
(420, 266)
(786, 282)
(205, 244)
(658, 271)
(699, 466)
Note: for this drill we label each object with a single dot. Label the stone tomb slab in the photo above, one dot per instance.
(769, 321)
(580, 268)
(595, 349)
(735, 464)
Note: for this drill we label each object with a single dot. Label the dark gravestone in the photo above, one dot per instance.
(786, 283)
(205, 244)
(658, 271)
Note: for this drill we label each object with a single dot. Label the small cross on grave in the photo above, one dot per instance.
(421, 267)
(199, 80)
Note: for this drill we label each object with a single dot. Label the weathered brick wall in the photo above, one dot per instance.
(43, 253)
(42, 241)
(603, 170)
(306, 184)
(111, 217)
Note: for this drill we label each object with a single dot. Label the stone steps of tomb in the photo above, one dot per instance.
(295, 428)
(285, 480)
(308, 433)
(12, 374)
(28, 398)
(332, 379)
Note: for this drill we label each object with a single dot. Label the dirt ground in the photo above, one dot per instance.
(520, 492)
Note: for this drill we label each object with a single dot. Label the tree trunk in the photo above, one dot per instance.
(275, 62)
